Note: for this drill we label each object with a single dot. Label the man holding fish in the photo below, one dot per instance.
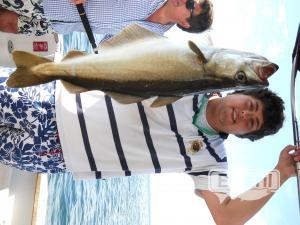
(96, 137)
(106, 17)
(47, 128)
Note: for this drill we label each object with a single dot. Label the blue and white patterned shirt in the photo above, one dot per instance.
(105, 16)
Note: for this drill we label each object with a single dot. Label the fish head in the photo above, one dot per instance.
(242, 68)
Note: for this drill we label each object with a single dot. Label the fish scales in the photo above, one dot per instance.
(131, 63)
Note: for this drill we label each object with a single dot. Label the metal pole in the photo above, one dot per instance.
(294, 117)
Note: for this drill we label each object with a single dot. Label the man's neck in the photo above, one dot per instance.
(161, 15)
(211, 111)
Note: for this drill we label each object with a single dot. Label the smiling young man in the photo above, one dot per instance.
(106, 17)
(236, 114)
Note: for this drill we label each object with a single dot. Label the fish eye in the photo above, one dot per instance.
(241, 76)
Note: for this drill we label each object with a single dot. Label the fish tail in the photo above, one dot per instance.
(24, 76)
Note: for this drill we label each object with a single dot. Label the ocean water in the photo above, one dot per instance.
(117, 201)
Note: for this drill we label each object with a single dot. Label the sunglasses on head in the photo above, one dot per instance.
(190, 5)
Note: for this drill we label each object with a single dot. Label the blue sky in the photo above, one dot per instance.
(266, 27)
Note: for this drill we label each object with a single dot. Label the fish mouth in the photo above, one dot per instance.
(265, 71)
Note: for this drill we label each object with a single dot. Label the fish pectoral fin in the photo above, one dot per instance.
(197, 50)
(125, 98)
(162, 101)
(129, 34)
(72, 88)
(74, 54)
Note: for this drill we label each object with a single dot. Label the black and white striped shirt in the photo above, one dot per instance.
(101, 138)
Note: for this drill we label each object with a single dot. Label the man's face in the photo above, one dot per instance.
(239, 114)
(181, 14)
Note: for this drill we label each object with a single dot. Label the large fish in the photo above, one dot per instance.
(138, 64)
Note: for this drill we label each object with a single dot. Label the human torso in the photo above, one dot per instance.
(100, 135)
(105, 17)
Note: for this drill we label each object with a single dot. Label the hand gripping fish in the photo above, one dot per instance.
(138, 64)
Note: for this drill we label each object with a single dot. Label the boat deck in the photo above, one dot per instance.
(23, 197)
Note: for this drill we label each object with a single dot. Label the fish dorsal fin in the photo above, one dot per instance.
(125, 98)
(197, 50)
(74, 54)
(162, 101)
(72, 88)
(129, 34)
(26, 59)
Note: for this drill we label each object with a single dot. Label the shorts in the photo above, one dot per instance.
(31, 16)
(28, 132)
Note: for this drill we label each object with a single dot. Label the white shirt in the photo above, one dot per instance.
(101, 138)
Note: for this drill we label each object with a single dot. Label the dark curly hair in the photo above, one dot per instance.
(201, 22)
(272, 112)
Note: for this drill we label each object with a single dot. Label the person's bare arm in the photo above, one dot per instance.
(8, 21)
(239, 210)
